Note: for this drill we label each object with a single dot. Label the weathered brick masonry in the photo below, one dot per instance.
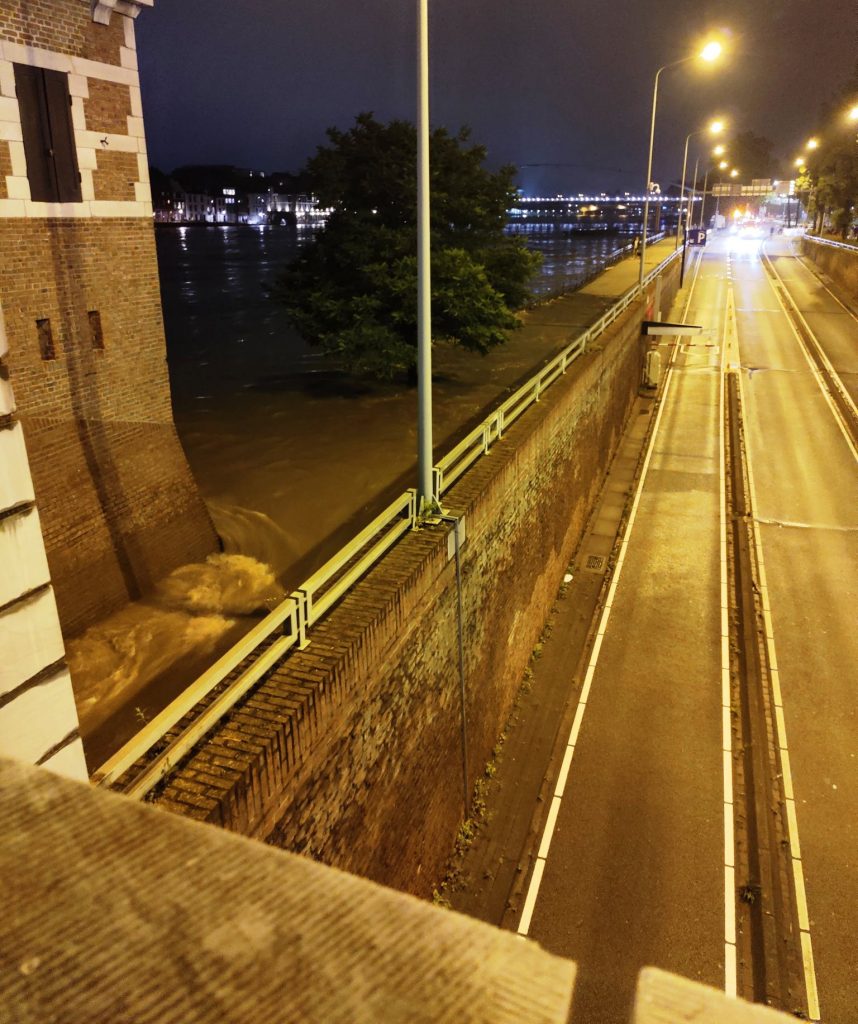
(61, 26)
(79, 291)
(351, 750)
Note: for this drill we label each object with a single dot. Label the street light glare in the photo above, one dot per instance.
(716, 127)
(722, 165)
(853, 113)
(734, 173)
(711, 51)
(719, 150)
(800, 164)
(812, 144)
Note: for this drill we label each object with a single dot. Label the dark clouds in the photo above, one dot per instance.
(564, 83)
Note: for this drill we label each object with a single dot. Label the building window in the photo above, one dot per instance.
(45, 105)
(46, 339)
(95, 332)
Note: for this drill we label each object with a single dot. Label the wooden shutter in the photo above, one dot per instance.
(62, 136)
(29, 85)
(49, 148)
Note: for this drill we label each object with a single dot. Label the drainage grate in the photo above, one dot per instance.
(595, 563)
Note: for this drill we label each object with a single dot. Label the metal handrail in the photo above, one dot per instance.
(317, 595)
(827, 241)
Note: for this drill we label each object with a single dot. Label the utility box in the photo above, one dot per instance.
(652, 369)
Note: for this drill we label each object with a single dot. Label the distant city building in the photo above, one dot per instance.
(242, 202)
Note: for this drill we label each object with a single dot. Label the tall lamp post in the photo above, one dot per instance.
(709, 53)
(425, 488)
(714, 128)
(717, 151)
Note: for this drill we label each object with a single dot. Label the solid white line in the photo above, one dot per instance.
(730, 957)
(530, 901)
(545, 841)
(548, 831)
(792, 821)
(564, 771)
(816, 372)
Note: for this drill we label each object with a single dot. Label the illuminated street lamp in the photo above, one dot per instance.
(852, 113)
(715, 127)
(734, 173)
(719, 151)
(812, 144)
(710, 52)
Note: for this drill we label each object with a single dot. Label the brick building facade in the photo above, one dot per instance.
(83, 358)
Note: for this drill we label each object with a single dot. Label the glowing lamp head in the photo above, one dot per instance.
(711, 51)
(719, 150)
(716, 127)
(734, 173)
(853, 113)
(812, 144)
(799, 164)
(722, 166)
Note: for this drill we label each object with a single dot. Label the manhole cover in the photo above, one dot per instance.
(595, 563)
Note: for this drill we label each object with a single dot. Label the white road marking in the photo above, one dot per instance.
(792, 820)
(548, 830)
(728, 354)
(817, 373)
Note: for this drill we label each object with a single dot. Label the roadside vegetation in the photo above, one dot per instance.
(352, 292)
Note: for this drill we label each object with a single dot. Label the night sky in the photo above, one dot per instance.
(256, 82)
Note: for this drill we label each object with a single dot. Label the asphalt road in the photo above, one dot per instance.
(637, 852)
(806, 483)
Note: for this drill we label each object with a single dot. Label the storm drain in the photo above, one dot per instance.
(595, 563)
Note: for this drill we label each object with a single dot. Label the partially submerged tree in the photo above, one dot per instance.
(353, 290)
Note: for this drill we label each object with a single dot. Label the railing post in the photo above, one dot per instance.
(302, 604)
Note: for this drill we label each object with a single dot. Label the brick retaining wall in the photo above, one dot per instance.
(350, 751)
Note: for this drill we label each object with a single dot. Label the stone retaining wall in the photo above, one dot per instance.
(351, 751)
(841, 265)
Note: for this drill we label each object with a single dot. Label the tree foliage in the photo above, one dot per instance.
(353, 290)
(831, 177)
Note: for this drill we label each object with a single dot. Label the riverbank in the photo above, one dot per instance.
(292, 465)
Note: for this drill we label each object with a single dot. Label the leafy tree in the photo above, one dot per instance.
(353, 290)
(832, 171)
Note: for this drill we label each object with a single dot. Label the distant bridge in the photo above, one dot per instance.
(595, 212)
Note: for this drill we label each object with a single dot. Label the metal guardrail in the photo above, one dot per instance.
(850, 247)
(294, 616)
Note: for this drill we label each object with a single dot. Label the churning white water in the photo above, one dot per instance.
(189, 613)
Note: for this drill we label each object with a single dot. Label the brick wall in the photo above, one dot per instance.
(107, 106)
(5, 167)
(115, 176)
(118, 505)
(62, 27)
(350, 751)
